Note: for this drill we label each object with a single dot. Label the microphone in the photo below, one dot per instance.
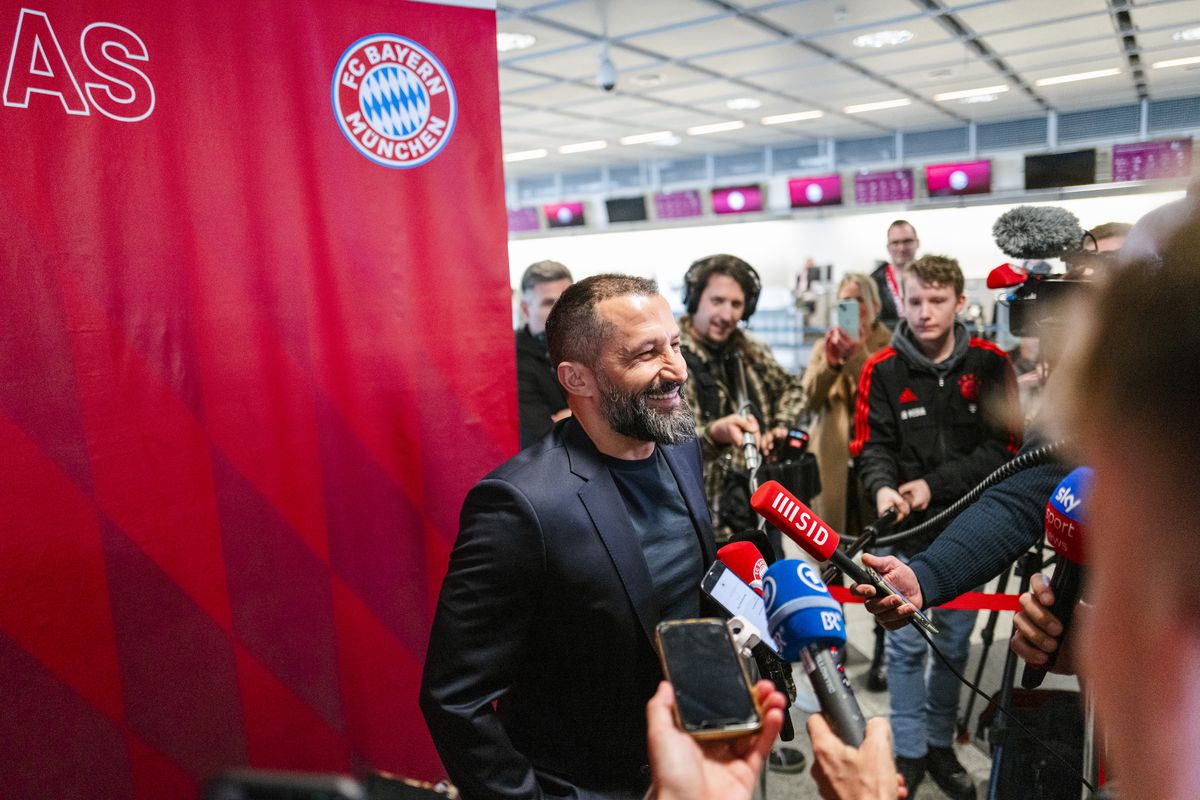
(746, 562)
(1037, 232)
(807, 622)
(1064, 532)
(797, 521)
(760, 541)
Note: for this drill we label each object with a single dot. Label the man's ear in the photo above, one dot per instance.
(524, 310)
(577, 379)
(962, 303)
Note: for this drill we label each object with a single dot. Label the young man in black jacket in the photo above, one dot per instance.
(936, 413)
(540, 400)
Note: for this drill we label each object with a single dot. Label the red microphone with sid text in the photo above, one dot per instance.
(797, 521)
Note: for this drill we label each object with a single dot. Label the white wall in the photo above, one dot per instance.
(778, 248)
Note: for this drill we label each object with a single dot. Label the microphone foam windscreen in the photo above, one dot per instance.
(1037, 232)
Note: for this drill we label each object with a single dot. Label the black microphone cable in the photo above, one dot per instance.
(1033, 458)
(999, 707)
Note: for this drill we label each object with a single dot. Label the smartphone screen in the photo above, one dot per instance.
(736, 597)
(847, 317)
(712, 693)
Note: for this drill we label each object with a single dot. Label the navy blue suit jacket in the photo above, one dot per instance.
(548, 612)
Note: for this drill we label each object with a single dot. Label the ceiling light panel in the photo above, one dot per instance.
(583, 147)
(881, 105)
(509, 41)
(716, 127)
(964, 94)
(795, 116)
(1076, 77)
(885, 38)
(526, 155)
(1176, 62)
(647, 138)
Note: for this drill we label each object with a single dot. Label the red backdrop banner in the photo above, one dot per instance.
(255, 329)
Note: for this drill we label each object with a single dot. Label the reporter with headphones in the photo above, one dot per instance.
(721, 291)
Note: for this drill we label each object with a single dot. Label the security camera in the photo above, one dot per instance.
(606, 75)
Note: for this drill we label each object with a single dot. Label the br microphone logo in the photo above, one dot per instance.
(394, 100)
(788, 510)
(831, 620)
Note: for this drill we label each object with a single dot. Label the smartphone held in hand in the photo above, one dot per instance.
(713, 695)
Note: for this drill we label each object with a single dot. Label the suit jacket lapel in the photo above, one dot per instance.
(604, 505)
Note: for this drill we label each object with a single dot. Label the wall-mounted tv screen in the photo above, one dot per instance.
(737, 199)
(825, 190)
(961, 177)
(1147, 161)
(883, 187)
(626, 209)
(1052, 170)
(678, 205)
(522, 220)
(563, 215)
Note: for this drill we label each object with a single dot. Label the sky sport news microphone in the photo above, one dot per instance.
(1065, 533)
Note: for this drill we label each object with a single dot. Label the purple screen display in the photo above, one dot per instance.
(1171, 158)
(823, 191)
(677, 205)
(521, 220)
(883, 187)
(563, 215)
(964, 177)
(737, 200)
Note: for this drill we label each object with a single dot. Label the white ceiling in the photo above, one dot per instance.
(798, 55)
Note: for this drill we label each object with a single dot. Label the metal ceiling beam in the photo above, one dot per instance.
(789, 36)
(1118, 11)
(943, 16)
(617, 43)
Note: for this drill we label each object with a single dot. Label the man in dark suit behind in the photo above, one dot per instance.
(540, 398)
(541, 657)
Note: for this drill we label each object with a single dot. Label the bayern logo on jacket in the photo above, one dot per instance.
(394, 100)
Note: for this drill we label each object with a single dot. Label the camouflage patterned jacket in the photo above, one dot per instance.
(776, 395)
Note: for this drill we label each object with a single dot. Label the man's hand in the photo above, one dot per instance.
(1034, 629)
(845, 773)
(729, 430)
(683, 768)
(839, 346)
(886, 498)
(916, 493)
(891, 611)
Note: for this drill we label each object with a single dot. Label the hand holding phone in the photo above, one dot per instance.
(713, 695)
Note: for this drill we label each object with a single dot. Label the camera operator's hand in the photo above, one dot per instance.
(891, 611)
(917, 493)
(886, 498)
(1034, 628)
(843, 772)
(839, 346)
(684, 768)
(729, 430)
(770, 437)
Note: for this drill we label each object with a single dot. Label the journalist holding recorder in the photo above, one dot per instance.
(1129, 406)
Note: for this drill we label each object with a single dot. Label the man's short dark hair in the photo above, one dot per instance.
(543, 272)
(1110, 229)
(938, 270)
(574, 330)
(897, 223)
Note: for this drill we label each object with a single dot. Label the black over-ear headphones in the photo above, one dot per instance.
(701, 270)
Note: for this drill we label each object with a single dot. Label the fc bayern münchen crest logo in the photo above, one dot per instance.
(394, 100)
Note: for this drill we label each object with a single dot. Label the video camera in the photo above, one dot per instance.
(1035, 294)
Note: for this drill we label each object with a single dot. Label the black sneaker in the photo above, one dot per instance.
(877, 678)
(787, 760)
(912, 770)
(950, 776)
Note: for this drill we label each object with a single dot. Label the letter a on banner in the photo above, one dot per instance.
(37, 66)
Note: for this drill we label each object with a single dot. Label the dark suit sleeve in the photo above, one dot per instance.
(875, 439)
(479, 634)
(957, 475)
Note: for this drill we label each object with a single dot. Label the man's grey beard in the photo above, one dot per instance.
(629, 415)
